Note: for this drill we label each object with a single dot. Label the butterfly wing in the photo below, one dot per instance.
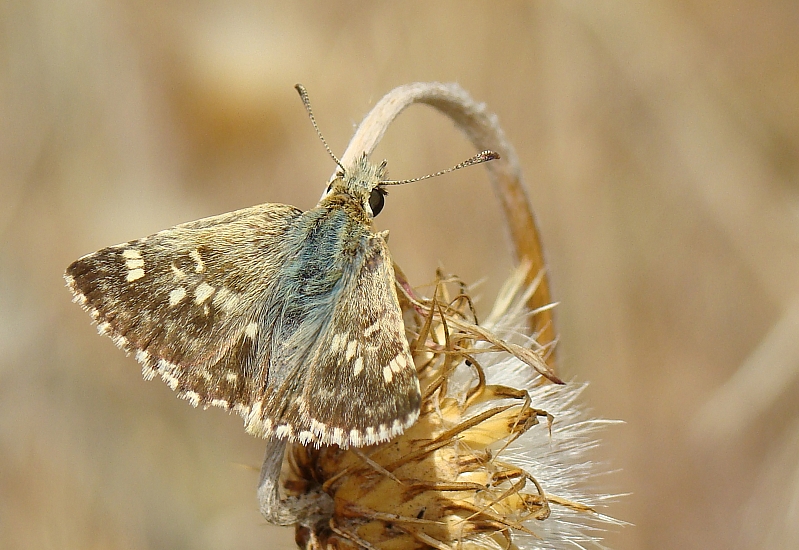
(365, 349)
(358, 384)
(185, 300)
(289, 318)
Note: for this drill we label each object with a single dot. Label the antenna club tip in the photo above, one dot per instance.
(489, 155)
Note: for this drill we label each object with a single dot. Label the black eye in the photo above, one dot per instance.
(376, 200)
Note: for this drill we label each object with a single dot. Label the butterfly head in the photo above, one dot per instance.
(362, 183)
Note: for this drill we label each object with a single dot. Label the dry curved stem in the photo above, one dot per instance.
(483, 130)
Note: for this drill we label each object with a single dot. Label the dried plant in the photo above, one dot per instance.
(483, 467)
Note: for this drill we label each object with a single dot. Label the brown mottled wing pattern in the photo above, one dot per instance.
(364, 386)
(186, 300)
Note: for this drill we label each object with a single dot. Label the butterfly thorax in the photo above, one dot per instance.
(348, 207)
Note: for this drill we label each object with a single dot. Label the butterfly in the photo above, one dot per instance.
(289, 318)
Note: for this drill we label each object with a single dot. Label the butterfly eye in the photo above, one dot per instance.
(376, 200)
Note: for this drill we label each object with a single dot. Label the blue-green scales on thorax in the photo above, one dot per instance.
(330, 237)
(330, 243)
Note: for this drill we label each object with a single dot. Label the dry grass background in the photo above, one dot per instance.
(661, 149)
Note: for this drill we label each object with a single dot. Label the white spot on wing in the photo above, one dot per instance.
(203, 292)
(133, 264)
(352, 347)
(177, 295)
(225, 298)
(338, 436)
(120, 341)
(135, 274)
(284, 431)
(170, 380)
(371, 329)
(251, 330)
(317, 427)
(200, 265)
(337, 343)
(131, 254)
(177, 272)
(255, 413)
(387, 374)
(78, 297)
(397, 364)
(357, 366)
(192, 397)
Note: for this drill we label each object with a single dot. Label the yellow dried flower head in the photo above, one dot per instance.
(493, 462)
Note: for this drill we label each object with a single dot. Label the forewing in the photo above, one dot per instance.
(360, 386)
(186, 300)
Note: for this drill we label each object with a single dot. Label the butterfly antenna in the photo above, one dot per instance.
(479, 158)
(307, 102)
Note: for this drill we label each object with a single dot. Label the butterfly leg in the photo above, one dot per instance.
(306, 510)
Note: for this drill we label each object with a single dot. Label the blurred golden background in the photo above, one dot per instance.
(660, 145)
